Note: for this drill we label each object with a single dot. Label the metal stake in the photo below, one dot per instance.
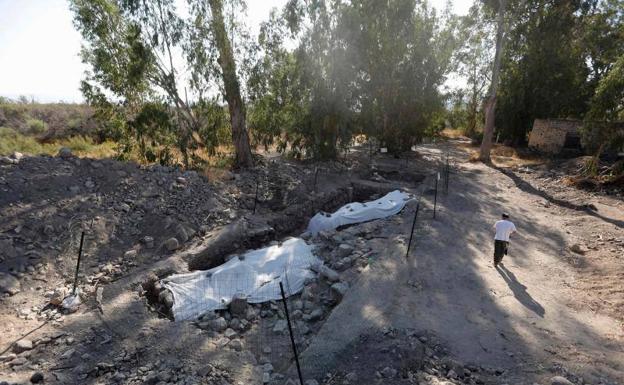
(78, 263)
(435, 198)
(292, 339)
(409, 244)
(256, 198)
(316, 170)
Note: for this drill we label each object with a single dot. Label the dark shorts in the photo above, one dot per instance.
(500, 249)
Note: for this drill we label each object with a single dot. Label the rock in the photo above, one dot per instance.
(8, 357)
(235, 324)
(329, 274)
(58, 295)
(344, 250)
(412, 357)
(65, 153)
(251, 314)
(166, 298)
(280, 326)
(18, 361)
(238, 306)
(36, 378)
(236, 344)
(130, 254)
(218, 324)
(559, 380)
(338, 290)
(148, 241)
(388, 372)
(351, 377)
(172, 244)
(9, 284)
(181, 234)
(316, 315)
(579, 249)
(22, 346)
(229, 333)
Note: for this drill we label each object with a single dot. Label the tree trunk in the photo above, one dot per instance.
(240, 136)
(490, 104)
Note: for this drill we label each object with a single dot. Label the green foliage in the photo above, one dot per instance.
(35, 126)
(360, 67)
(607, 107)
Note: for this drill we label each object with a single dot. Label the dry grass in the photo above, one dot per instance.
(505, 156)
(452, 133)
(12, 141)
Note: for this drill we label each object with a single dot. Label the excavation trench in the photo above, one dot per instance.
(257, 231)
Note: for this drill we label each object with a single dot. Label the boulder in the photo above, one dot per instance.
(324, 271)
(148, 241)
(9, 284)
(343, 250)
(338, 290)
(280, 326)
(65, 153)
(22, 346)
(412, 357)
(58, 296)
(238, 306)
(166, 298)
(218, 324)
(559, 380)
(172, 244)
(36, 378)
(579, 249)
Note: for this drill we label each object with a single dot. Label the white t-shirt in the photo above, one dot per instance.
(504, 228)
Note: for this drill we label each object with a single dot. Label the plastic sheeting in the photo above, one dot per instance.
(254, 275)
(356, 212)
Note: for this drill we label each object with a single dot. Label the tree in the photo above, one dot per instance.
(360, 67)
(240, 136)
(607, 107)
(135, 51)
(473, 61)
(490, 103)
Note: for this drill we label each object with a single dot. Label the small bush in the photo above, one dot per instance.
(35, 126)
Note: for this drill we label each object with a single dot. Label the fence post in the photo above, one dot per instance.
(409, 244)
(78, 263)
(292, 338)
(448, 174)
(256, 197)
(316, 170)
(435, 197)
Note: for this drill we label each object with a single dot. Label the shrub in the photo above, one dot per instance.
(35, 126)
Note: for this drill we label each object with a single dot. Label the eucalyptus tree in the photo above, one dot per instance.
(146, 57)
(473, 61)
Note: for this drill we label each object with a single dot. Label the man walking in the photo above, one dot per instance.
(503, 228)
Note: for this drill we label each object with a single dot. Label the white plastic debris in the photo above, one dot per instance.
(72, 302)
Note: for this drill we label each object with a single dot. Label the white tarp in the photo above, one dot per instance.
(356, 212)
(254, 275)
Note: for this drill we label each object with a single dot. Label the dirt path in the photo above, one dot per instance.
(529, 319)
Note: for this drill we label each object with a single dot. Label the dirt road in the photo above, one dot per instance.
(528, 321)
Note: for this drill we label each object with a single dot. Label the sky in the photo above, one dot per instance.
(39, 47)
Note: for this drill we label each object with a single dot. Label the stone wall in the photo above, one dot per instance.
(549, 135)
